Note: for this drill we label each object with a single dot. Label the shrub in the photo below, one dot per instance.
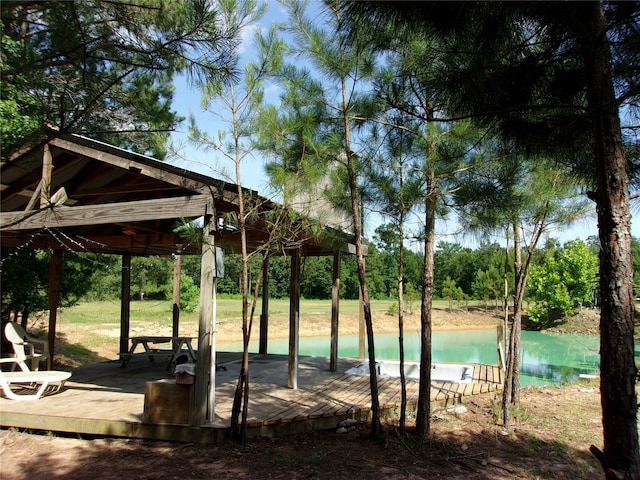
(559, 286)
(189, 294)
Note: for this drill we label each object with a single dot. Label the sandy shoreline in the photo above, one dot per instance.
(228, 332)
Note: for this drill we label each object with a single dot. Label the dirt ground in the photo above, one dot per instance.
(442, 319)
(554, 427)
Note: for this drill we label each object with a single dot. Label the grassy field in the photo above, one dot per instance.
(228, 308)
(90, 331)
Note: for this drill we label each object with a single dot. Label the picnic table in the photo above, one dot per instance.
(179, 346)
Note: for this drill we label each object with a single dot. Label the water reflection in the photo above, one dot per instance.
(546, 357)
(555, 358)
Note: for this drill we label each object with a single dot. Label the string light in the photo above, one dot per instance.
(17, 249)
(79, 243)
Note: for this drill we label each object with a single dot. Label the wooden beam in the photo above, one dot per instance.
(125, 303)
(294, 319)
(120, 189)
(264, 316)
(64, 216)
(335, 313)
(34, 197)
(129, 164)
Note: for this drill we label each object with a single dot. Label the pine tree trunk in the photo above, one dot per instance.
(423, 414)
(505, 304)
(236, 430)
(241, 397)
(511, 392)
(376, 426)
(516, 327)
(617, 364)
(403, 380)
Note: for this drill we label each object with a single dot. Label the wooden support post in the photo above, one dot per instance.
(55, 282)
(335, 312)
(204, 395)
(294, 318)
(264, 316)
(177, 273)
(362, 330)
(125, 303)
(47, 166)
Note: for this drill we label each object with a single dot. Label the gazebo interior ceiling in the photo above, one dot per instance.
(117, 202)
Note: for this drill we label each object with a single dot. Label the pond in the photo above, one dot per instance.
(547, 358)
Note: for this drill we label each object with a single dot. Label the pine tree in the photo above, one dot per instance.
(102, 69)
(552, 76)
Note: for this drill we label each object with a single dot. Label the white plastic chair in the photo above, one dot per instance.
(31, 385)
(24, 347)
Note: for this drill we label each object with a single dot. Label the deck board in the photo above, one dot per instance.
(104, 399)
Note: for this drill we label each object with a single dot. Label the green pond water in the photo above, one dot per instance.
(547, 358)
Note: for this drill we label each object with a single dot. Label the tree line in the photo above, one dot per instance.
(564, 277)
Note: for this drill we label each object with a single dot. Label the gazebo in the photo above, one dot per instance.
(74, 193)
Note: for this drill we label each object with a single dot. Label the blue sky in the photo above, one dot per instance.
(187, 102)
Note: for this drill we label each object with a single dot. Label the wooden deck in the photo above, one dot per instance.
(105, 399)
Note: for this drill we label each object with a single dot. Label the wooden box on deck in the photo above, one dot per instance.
(165, 401)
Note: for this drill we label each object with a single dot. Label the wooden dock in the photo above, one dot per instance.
(105, 399)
